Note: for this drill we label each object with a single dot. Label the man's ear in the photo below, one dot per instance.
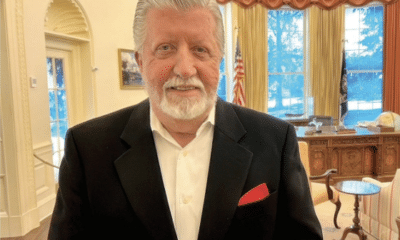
(138, 58)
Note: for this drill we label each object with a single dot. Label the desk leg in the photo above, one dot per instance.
(356, 228)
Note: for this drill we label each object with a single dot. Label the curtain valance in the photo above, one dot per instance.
(302, 4)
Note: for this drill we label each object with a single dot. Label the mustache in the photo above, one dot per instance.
(176, 82)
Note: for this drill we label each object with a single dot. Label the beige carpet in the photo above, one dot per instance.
(325, 212)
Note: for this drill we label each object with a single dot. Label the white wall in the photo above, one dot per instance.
(111, 24)
(111, 28)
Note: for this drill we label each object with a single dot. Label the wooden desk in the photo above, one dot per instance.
(302, 122)
(364, 153)
(297, 121)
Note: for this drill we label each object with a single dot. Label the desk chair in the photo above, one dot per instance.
(320, 192)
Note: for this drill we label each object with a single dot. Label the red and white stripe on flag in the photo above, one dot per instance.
(239, 95)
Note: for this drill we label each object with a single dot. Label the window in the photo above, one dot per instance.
(364, 62)
(58, 107)
(222, 90)
(225, 86)
(286, 62)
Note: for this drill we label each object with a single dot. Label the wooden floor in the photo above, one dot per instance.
(39, 233)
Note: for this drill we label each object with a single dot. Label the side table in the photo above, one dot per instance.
(356, 188)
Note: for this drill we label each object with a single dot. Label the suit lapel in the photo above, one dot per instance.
(140, 176)
(228, 171)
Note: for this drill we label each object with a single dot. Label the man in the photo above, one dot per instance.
(183, 164)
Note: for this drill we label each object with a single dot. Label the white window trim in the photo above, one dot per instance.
(229, 59)
(308, 104)
(361, 105)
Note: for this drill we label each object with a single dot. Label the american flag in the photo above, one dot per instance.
(239, 96)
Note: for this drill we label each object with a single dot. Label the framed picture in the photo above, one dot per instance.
(129, 74)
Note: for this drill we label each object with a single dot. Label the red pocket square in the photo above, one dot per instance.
(254, 195)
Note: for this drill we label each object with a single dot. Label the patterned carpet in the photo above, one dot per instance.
(325, 213)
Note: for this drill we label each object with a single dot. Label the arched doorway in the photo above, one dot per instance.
(69, 70)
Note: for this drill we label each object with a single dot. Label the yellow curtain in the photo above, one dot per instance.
(326, 46)
(252, 39)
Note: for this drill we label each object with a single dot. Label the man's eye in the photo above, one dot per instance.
(165, 50)
(200, 50)
(164, 47)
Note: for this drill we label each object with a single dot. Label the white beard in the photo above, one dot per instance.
(184, 108)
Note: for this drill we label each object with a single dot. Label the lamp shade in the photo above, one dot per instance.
(389, 119)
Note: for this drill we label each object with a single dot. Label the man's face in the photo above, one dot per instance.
(180, 61)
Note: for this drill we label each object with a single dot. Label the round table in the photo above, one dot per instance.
(356, 188)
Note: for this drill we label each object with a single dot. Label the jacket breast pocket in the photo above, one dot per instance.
(262, 209)
(255, 220)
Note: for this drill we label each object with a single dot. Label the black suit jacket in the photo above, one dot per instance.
(111, 185)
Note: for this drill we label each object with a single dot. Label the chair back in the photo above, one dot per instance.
(303, 148)
(379, 211)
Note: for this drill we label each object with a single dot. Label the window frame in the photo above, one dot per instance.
(226, 10)
(308, 102)
(366, 71)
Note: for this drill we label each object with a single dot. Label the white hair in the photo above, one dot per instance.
(143, 6)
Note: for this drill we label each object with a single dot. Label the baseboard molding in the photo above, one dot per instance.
(16, 226)
(46, 207)
(4, 226)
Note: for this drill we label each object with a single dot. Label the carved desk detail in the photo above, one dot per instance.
(355, 156)
(357, 140)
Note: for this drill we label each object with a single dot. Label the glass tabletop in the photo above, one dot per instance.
(357, 187)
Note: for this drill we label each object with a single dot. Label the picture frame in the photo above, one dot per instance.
(129, 74)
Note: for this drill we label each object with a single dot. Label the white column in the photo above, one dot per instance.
(18, 209)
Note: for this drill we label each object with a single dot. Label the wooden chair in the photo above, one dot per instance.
(320, 192)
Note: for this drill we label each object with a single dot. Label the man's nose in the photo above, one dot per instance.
(185, 64)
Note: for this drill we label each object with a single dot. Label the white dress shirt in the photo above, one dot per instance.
(184, 173)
